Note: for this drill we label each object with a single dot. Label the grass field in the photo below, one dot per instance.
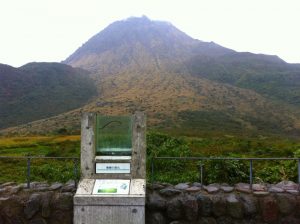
(158, 144)
(42, 146)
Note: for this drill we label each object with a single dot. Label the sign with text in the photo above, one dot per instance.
(111, 186)
(112, 167)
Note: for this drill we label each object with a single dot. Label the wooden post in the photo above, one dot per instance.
(87, 145)
(138, 163)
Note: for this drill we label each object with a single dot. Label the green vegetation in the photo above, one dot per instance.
(41, 90)
(265, 74)
(229, 171)
(51, 170)
(160, 144)
(209, 121)
(232, 122)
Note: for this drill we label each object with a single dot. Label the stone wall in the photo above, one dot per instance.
(42, 204)
(223, 204)
(166, 204)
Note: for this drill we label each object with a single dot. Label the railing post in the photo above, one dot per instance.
(75, 172)
(201, 174)
(28, 172)
(152, 170)
(251, 174)
(299, 175)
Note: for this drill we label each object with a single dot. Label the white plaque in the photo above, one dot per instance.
(112, 167)
(111, 187)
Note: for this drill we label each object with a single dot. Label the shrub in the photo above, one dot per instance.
(225, 171)
(54, 171)
(171, 171)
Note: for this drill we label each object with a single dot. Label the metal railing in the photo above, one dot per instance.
(201, 159)
(30, 158)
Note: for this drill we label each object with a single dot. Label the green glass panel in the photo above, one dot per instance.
(113, 135)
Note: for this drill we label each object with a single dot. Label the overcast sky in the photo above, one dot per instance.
(51, 30)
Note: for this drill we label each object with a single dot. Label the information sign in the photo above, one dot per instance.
(104, 186)
(112, 167)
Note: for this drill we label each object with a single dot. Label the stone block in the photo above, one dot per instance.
(32, 205)
(219, 205)
(286, 203)
(169, 192)
(174, 209)
(269, 209)
(207, 220)
(204, 205)
(156, 202)
(250, 204)
(156, 218)
(234, 206)
(38, 221)
(181, 186)
(190, 207)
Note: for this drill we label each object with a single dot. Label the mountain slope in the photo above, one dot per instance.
(139, 47)
(267, 75)
(183, 85)
(139, 44)
(39, 90)
(180, 103)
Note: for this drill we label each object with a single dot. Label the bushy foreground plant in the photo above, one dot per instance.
(214, 171)
(162, 145)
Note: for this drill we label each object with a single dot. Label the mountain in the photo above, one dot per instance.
(40, 90)
(184, 85)
(267, 75)
(140, 44)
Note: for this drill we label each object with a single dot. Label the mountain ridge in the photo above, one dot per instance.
(181, 83)
(122, 42)
(38, 90)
